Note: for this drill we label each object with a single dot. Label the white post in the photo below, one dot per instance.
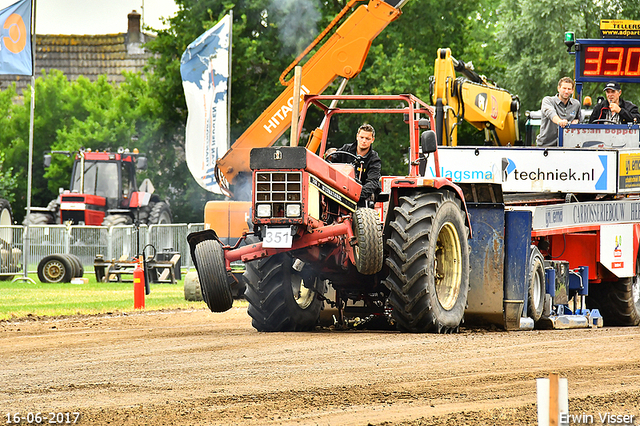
(552, 400)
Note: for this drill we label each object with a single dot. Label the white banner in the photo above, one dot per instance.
(205, 76)
(530, 169)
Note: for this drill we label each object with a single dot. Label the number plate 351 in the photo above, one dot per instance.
(277, 237)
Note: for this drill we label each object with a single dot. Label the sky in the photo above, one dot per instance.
(96, 16)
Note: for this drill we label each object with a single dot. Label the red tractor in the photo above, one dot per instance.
(312, 245)
(104, 191)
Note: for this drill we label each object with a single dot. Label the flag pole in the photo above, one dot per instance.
(26, 243)
(229, 80)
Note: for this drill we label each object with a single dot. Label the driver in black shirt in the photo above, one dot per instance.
(369, 168)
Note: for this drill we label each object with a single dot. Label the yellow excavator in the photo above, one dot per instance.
(472, 98)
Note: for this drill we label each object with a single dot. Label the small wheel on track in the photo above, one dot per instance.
(536, 284)
(213, 276)
(55, 268)
(192, 291)
(368, 250)
(79, 268)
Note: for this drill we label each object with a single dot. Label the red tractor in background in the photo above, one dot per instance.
(104, 191)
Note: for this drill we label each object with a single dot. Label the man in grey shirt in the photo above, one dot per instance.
(558, 111)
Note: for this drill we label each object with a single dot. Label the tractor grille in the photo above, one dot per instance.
(278, 194)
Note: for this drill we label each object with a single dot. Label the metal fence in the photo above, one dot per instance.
(87, 242)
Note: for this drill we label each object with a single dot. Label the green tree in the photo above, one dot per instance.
(8, 182)
(71, 115)
(400, 61)
(531, 35)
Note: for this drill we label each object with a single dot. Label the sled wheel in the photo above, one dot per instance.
(618, 302)
(536, 284)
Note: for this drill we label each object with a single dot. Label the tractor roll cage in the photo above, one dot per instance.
(415, 106)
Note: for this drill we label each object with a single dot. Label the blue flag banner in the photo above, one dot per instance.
(15, 39)
(205, 75)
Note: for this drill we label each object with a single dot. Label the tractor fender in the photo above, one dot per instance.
(402, 185)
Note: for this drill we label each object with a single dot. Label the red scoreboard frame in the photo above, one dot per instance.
(608, 60)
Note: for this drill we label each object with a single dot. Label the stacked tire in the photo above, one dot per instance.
(60, 268)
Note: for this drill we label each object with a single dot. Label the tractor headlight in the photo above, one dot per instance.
(293, 210)
(263, 210)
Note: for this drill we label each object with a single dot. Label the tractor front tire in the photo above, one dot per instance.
(368, 250)
(39, 219)
(280, 297)
(428, 262)
(213, 276)
(192, 290)
(117, 220)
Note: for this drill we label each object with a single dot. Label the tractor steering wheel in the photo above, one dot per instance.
(356, 161)
(355, 158)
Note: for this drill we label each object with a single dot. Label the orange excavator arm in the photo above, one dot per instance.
(342, 55)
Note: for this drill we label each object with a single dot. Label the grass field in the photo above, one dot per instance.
(21, 298)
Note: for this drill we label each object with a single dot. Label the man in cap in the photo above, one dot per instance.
(614, 109)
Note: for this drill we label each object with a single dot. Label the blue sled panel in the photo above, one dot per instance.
(517, 246)
(486, 260)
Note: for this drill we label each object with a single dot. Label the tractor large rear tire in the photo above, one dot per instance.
(536, 285)
(213, 276)
(6, 217)
(280, 297)
(160, 214)
(428, 262)
(368, 250)
(39, 219)
(618, 302)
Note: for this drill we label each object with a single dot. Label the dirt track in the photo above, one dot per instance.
(197, 368)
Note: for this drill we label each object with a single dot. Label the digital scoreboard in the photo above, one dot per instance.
(605, 60)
